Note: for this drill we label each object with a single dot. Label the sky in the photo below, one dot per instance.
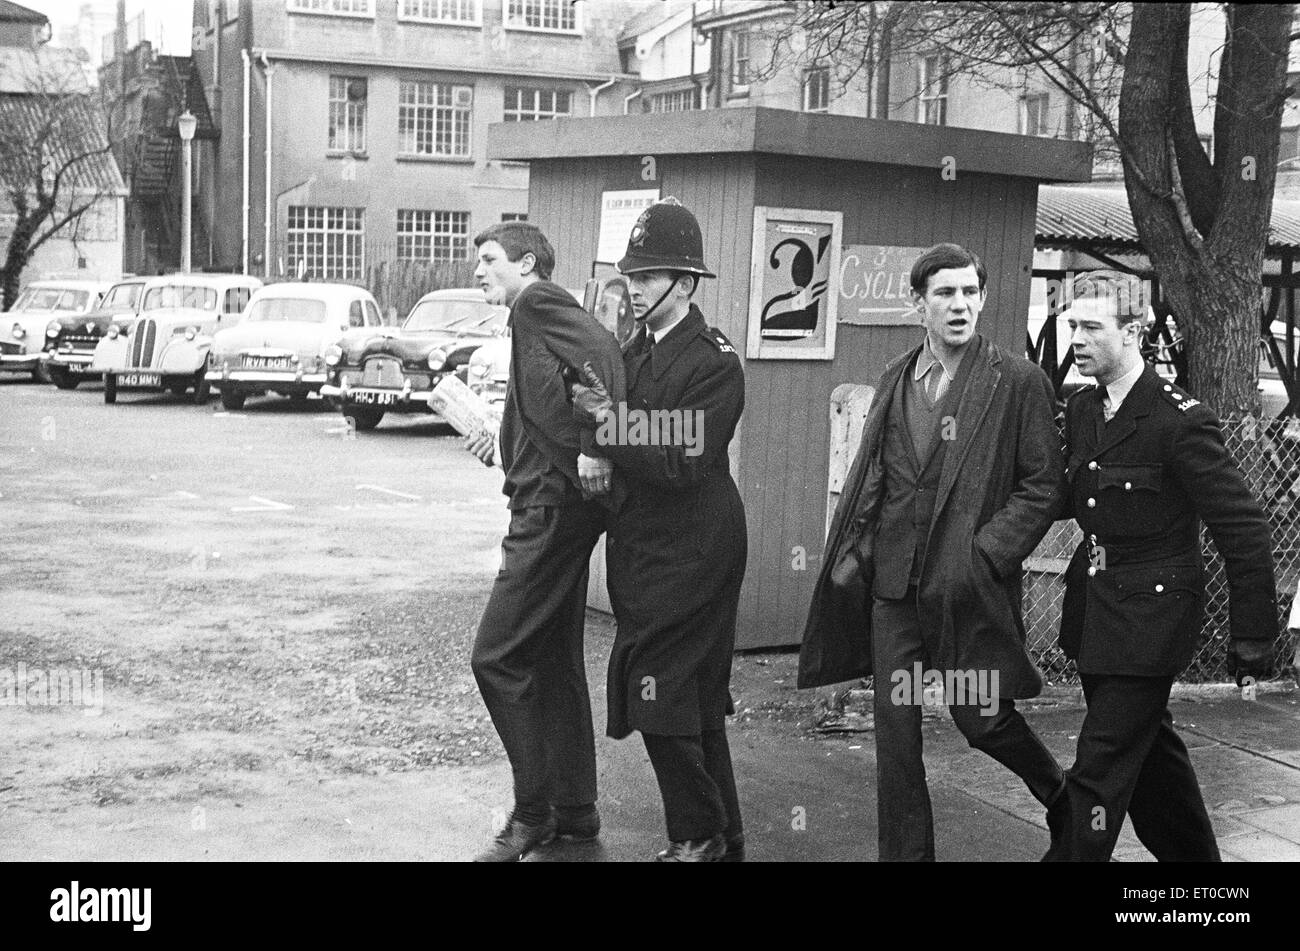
(166, 22)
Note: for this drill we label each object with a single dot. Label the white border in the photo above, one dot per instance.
(755, 347)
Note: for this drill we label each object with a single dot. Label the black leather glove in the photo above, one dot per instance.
(1250, 659)
(591, 403)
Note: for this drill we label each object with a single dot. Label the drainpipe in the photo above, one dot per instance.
(243, 230)
(593, 93)
(269, 211)
(627, 102)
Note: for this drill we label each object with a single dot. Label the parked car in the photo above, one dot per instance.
(280, 344)
(70, 341)
(488, 370)
(23, 328)
(166, 347)
(390, 370)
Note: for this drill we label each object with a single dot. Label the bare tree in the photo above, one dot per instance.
(1203, 222)
(54, 161)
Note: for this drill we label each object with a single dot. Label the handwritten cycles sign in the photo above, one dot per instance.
(874, 285)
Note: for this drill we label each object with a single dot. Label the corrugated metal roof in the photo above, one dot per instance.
(1074, 215)
(13, 13)
(80, 131)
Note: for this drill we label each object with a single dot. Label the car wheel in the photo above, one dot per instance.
(202, 388)
(63, 379)
(41, 373)
(232, 399)
(179, 389)
(110, 388)
(364, 418)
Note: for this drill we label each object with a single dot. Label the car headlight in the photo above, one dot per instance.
(112, 332)
(437, 359)
(191, 333)
(52, 328)
(333, 354)
(478, 370)
(17, 331)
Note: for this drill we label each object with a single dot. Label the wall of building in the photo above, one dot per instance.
(95, 254)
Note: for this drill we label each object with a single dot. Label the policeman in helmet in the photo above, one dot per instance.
(677, 547)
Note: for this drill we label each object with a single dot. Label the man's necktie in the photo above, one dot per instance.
(932, 380)
(1101, 412)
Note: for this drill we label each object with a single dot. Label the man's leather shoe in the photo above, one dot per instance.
(577, 822)
(695, 850)
(517, 839)
(735, 848)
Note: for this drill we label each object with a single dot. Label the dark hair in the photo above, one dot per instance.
(943, 256)
(519, 238)
(1126, 291)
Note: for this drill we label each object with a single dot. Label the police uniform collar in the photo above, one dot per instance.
(676, 340)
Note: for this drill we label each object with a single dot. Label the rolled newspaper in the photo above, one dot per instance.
(468, 412)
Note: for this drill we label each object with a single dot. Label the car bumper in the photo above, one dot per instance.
(266, 378)
(19, 361)
(75, 362)
(389, 400)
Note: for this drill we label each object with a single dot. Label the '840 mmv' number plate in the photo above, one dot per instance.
(139, 379)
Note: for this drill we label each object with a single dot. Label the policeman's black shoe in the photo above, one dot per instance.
(577, 822)
(695, 850)
(517, 839)
(735, 848)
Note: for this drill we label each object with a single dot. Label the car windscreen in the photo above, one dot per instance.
(180, 295)
(288, 308)
(458, 316)
(121, 297)
(51, 298)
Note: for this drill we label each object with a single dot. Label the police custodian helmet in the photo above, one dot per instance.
(665, 238)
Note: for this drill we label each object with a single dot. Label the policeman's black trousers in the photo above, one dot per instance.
(528, 660)
(697, 784)
(1130, 761)
(904, 815)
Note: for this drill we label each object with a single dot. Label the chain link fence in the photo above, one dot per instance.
(1268, 453)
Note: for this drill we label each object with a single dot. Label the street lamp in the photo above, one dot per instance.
(185, 125)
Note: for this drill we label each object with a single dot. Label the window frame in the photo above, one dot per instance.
(656, 99)
(351, 238)
(925, 82)
(821, 74)
(509, 22)
(536, 113)
(407, 230)
(298, 6)
(348, 107)
(1043, 100)
(738, 88)
(412, 112)
(403, 17)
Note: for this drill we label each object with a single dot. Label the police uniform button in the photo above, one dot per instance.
(1168, 388)
(1094, 539)
(1092, 503)
(1092, 571)
(1159, 588)
(1093, 465)
(1128, 486)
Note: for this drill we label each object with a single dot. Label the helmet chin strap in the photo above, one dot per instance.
(650, 310)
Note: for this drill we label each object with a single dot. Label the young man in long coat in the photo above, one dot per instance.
(956, 481)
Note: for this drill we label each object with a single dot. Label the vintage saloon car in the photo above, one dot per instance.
(280, 344)
(70, 341)
(23, 328)
(389, 370)
(166, 347)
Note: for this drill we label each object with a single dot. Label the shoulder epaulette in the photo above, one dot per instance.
(1178, 398)
(716, 337)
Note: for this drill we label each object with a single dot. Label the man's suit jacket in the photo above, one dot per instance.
(998, 493)
(1134, 598)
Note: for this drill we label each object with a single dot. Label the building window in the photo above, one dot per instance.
(683, 100)
(552, 16)
(1033, 115)
(464, 12)
(432, 235)
(817, 89)
(342, 8)
(515, 216)
(934, 90)
(524, 103)
(739, 60)
(433, 118)
(347, 114)
(328, 240)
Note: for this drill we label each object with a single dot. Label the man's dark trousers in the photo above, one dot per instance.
(1131, 761)
(528, 657)
(906, 821)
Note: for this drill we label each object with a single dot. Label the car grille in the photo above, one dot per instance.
(142, 343)
(84, 343)
(382, 371)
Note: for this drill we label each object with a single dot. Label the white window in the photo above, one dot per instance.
(740, 60)
(683, 100)
(514, 216)
(328, 240)
(551, 16)
(817, 89)
(934, 90)
(341, 8)
(464, 12)
(347, 113)
(524, 103)
(1033, 115)
(432, 235)
(433, 118)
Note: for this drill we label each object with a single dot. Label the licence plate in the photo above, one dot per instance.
(139, 379)
(266, 363)
(373, 397)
